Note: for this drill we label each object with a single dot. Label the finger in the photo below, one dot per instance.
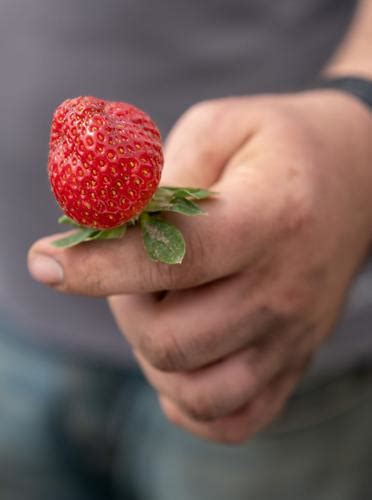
(243, 424)
(214, 250)
(222, 388)
(203, 140)
(189, 329)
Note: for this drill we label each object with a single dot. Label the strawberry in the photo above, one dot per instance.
(104, 166)
(105, 161)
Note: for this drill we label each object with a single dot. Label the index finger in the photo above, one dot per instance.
(217, 245)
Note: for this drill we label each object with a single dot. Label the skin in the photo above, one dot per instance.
(225, 337)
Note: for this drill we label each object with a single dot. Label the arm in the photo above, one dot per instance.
(354, 56)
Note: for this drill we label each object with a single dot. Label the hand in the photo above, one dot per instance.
(225, 337)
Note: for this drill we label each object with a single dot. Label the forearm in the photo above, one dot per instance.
(354, 56)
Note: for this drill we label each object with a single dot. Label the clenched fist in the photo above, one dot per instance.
(225, 337)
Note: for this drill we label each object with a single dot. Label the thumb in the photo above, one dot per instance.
(204, 139)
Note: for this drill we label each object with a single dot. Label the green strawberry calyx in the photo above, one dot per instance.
(163, 241)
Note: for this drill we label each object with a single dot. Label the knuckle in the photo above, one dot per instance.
(284, 119)
(203, 118)
(283, 311)
(169, 276)
(297, 211)
(204, 112)
(200, 406)
(162, 350)
(278, 116)
(272, 314)
(195, 266)
(294, 301)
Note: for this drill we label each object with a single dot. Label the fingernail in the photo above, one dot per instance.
(46, 269)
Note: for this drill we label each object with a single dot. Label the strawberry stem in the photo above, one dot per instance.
(163, 241)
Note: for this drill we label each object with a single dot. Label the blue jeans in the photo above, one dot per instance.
(71, 430)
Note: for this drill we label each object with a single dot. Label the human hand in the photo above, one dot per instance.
(225, 337)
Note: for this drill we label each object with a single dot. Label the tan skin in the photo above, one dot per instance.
(225, 337)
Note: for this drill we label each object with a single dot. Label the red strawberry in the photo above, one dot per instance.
(105, 161)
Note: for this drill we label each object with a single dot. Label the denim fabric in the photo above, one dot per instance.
(57, 417)
(76, 431)
(320, 449)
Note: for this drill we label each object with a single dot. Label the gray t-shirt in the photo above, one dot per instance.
(162, 56)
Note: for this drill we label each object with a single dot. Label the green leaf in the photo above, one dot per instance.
(180, 205)
(196, 193)
(64, 219)
(74, 239)
(88, 234)
(163, 241)
(166, 201)
(108, 234)
(157, 205)
(185, 207)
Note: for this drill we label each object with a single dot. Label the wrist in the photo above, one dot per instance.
(356, 86)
